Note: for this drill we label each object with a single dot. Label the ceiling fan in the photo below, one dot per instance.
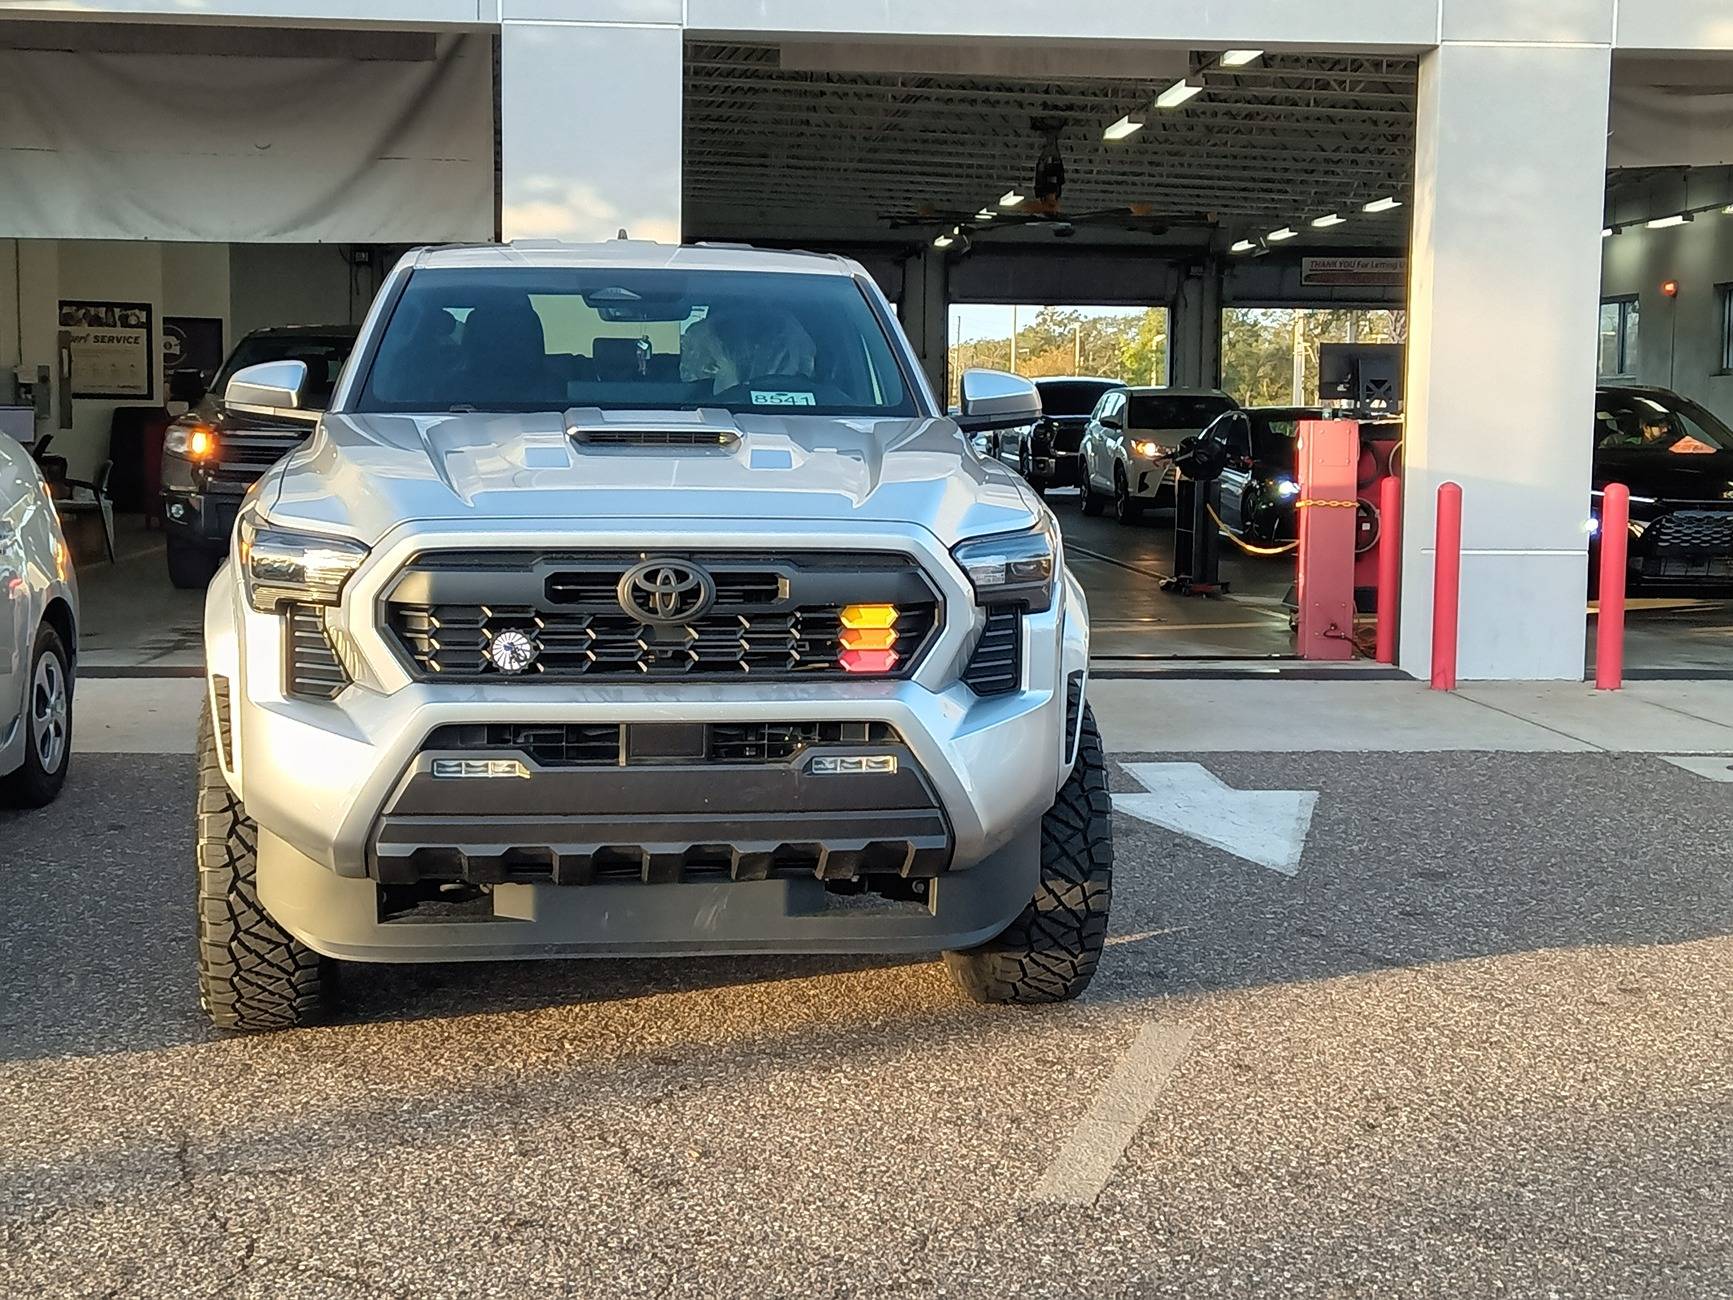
(1043, 205)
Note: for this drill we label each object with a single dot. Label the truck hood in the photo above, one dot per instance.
(363, 475)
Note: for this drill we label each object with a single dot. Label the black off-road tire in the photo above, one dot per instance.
(190, 568)
(1050, 952)
(36, 783)
(1089, 498)
(252, 974)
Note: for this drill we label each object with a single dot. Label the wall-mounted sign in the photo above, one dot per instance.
(113, 348)
(1363, 272)
(192, 343)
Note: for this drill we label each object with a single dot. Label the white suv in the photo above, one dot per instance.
(1130, 436)
(636, 600)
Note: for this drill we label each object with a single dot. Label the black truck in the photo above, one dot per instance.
(213, 454)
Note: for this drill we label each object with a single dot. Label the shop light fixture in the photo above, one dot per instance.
(1239, 58)
(1011, 199)
(1607, 232)
(1727, 211)
(1666, 223)
(1180, 92)
(1128, 125)
(1382, 205)
(1277, 236)
(1244, 246)
(943, 241)
(985, 214)
(1331, 219)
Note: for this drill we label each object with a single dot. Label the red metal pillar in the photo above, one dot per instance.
(1389, 565)
(1446, 586)
(1610, 625)
(1329, 464)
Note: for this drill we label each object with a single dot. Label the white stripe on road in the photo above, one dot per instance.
(1088, 1158)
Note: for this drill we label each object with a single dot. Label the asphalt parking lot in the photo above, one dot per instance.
(1481, 1043)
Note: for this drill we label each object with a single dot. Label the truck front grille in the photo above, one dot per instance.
(243, 458)
(771, 617)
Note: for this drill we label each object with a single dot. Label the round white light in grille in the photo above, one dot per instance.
(511, 652)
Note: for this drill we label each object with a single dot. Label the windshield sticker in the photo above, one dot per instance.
(783, 399)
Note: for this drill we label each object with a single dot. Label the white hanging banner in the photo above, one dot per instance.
(246, 149)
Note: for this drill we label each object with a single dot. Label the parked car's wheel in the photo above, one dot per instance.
(1126, 508)
(252, 973)
(190, 568)
(1026, 470)
(1050, 952)
(1088, 498)
(47, 726)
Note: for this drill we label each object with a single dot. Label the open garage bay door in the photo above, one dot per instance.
(244, 135)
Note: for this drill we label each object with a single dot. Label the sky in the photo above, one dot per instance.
(973, 321)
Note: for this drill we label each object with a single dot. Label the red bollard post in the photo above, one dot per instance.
(1610, 626)
(1389, 565)
(1446, 586)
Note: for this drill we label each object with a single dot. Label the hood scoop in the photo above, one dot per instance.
(671, 429)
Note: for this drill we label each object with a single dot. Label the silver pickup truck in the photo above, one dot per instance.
(633, 600)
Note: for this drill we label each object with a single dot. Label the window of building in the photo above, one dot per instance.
(1619, 321)
(1724, 295)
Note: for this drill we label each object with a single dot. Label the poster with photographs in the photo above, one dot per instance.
(113, 352)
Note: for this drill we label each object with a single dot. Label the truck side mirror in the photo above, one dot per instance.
(269, 388)
(993, 399)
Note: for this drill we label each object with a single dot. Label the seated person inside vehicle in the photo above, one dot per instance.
(600, 338)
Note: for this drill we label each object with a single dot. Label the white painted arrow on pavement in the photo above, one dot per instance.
(1267, 827)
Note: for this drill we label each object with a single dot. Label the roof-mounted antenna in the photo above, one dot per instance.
(622, 234)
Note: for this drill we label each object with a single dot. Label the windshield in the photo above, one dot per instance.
(1157, 412)
(514, 339)
(324, 358)
(1071, 398)
(1657, 422)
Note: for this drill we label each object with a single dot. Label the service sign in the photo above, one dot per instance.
(113, 351)
(1362, 272)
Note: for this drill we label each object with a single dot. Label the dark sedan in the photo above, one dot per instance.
(1046, 452)
(1676, 457)
(1258, 484)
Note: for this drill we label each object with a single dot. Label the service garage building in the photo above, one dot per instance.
(1539, 194)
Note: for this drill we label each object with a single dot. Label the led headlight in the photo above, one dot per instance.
(1286, 487)
(1144, 447)
(1012, 568)
(281, 567)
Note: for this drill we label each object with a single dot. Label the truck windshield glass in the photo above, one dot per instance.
(520, 339)
(324, 358)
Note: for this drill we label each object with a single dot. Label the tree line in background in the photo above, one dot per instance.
(1269, 354)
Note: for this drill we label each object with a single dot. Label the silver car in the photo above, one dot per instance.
(637, 600)
(38, 636)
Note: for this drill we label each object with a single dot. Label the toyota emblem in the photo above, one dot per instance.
(666, 591)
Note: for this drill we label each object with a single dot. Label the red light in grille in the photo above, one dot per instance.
(867, 661)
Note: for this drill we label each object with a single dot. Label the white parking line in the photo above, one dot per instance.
(1088, 1158)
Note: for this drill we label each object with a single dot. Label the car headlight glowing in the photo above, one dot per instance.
(194, 441)
(1144, 447)
(1286, 487)
(282, 567)
(1013, 567)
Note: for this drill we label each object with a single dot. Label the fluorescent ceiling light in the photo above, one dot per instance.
(1333, 219)
(1607, 232)
(1010, 199)
(1677, 219)
(1179, 92)
(943, 241)
(1727, 211)
(1130, 124)
(985, 214)
(1382, 205)
(1239, 58)
(1244, 246)
(1277, 236)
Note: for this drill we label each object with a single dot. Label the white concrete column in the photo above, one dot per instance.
(590, 116)
(1506, 258)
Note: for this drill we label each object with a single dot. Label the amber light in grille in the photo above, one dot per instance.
(867, 639)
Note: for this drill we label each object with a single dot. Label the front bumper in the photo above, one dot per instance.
(1149, 479)
(204, 519)
(324, 780)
